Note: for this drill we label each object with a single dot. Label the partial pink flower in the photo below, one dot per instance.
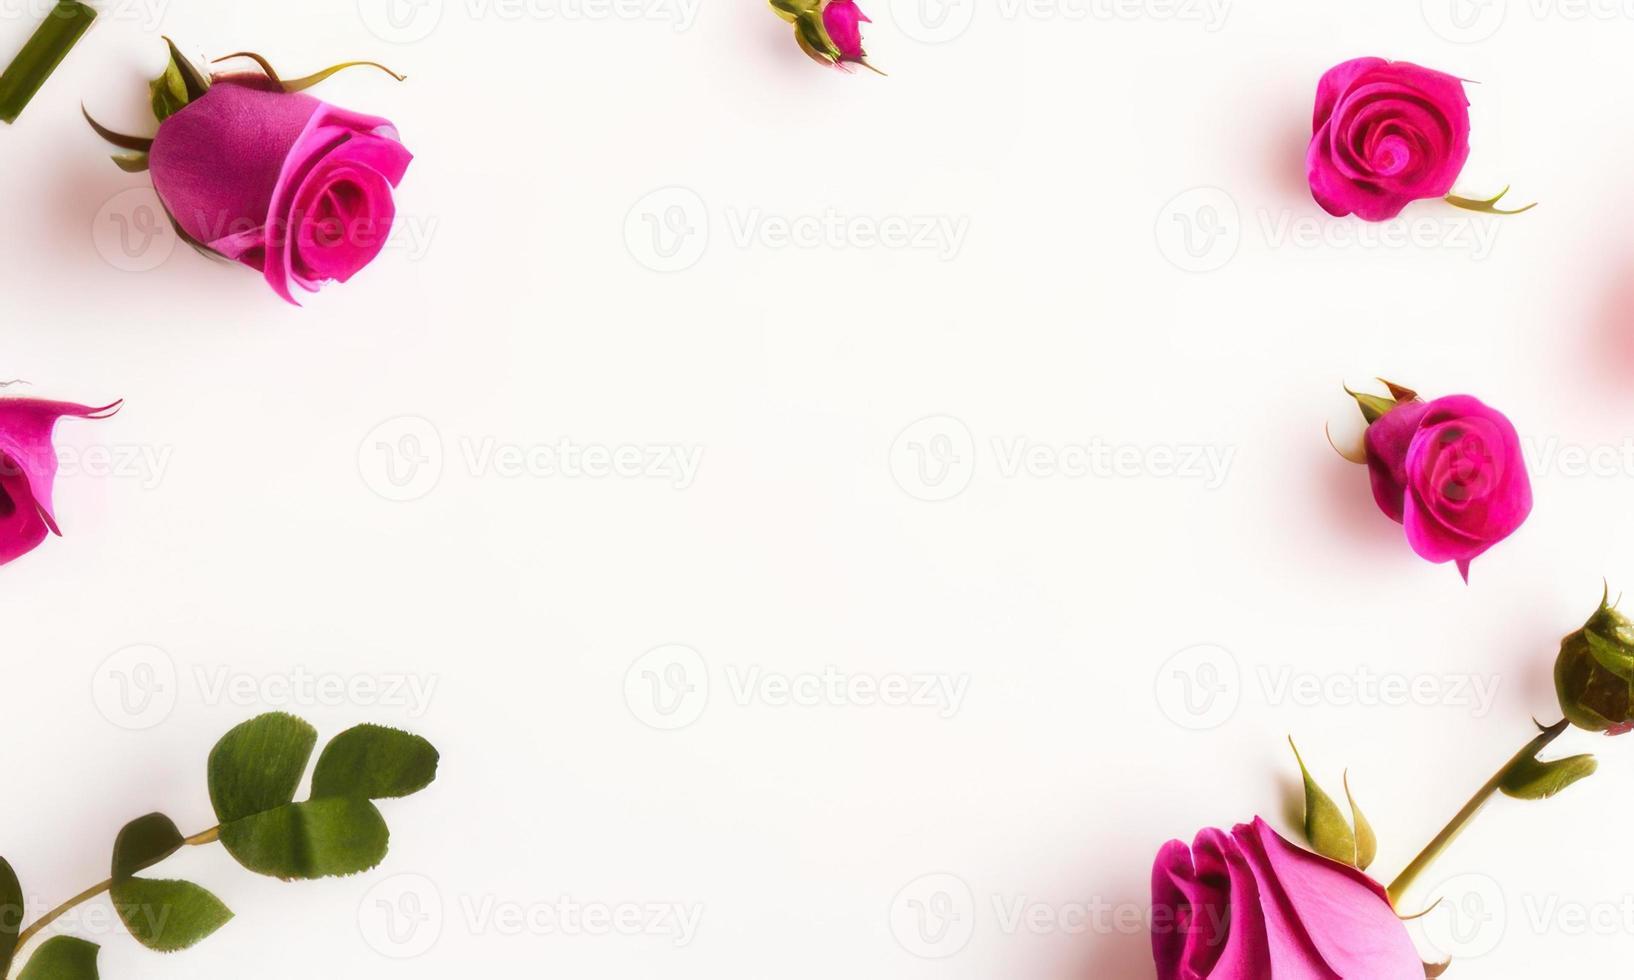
(843, 20)
(1452, 473)
(295, 188)
(28, 469)
(1249, 905)
(1385, 134)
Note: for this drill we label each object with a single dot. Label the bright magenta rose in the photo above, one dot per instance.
(1385, 134)
(28, 469)
(1452, 473)
(295, 188)
(1249, 905)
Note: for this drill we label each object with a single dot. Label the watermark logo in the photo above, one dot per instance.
(1465, 21)
(934, 459)
(668, 687)
(401, 917)
(401, 21)
(135, 688)
(934, 916)
(1200, 230)
(1468, 915)
(131, 231)
(401, 459)
(1200, 687)
(668, 230)
(933, 21)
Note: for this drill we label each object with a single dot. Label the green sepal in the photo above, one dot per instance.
(62, 958)
(375, 763)
(1535, 780)
(1325, 827)
(136, 144)
(1486, 205)
(339, 835)
(164, 915)
(179, 85)
(1373, 407)
(11, 915)
(1367, 843)
(257, 766)
(809, 30)
(131, 163)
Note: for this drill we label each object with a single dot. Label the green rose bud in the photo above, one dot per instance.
(1594, 674)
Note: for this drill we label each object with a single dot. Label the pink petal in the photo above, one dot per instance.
(28, 469)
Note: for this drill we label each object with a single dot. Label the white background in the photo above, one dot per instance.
(254, 538)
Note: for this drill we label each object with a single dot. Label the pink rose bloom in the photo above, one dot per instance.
(28, 468)
(843, 20)
(295, 188)
(1385, 134)
(1451, 472)
(1249, 905)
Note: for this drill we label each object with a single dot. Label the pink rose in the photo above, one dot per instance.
(1385, 134)
(843, 20)
(1451, 472)
(28, 468)
(1249, 905)
(295, 188)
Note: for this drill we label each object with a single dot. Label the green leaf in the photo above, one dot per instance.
(1534, 780)
(11, 915)
(1325, 825)
(258, 765)
(167, 915)
(144, 842)
(339, 835)
(163, 915)
(179, 85)
(1367, 844)
(374, 762)
(62, 958)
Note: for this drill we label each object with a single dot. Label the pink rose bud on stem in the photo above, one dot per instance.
(1385, 134)
(843, 20)
(251, 168)
(28, 469)
(1450, 471)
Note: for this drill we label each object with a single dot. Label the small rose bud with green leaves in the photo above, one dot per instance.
(1594, 674)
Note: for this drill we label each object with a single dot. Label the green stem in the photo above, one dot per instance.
(204, 837)
(62, 29)
(1448, 834)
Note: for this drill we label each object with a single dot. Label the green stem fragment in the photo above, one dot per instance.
(1525, 757)
(22, 80)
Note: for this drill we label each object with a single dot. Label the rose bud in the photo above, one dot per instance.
(1385, 134)
(250, 168)
(28, 469)
(1450, 471)
(843, 20)
(1594, 674)
(1249, 905)
(828, 31)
